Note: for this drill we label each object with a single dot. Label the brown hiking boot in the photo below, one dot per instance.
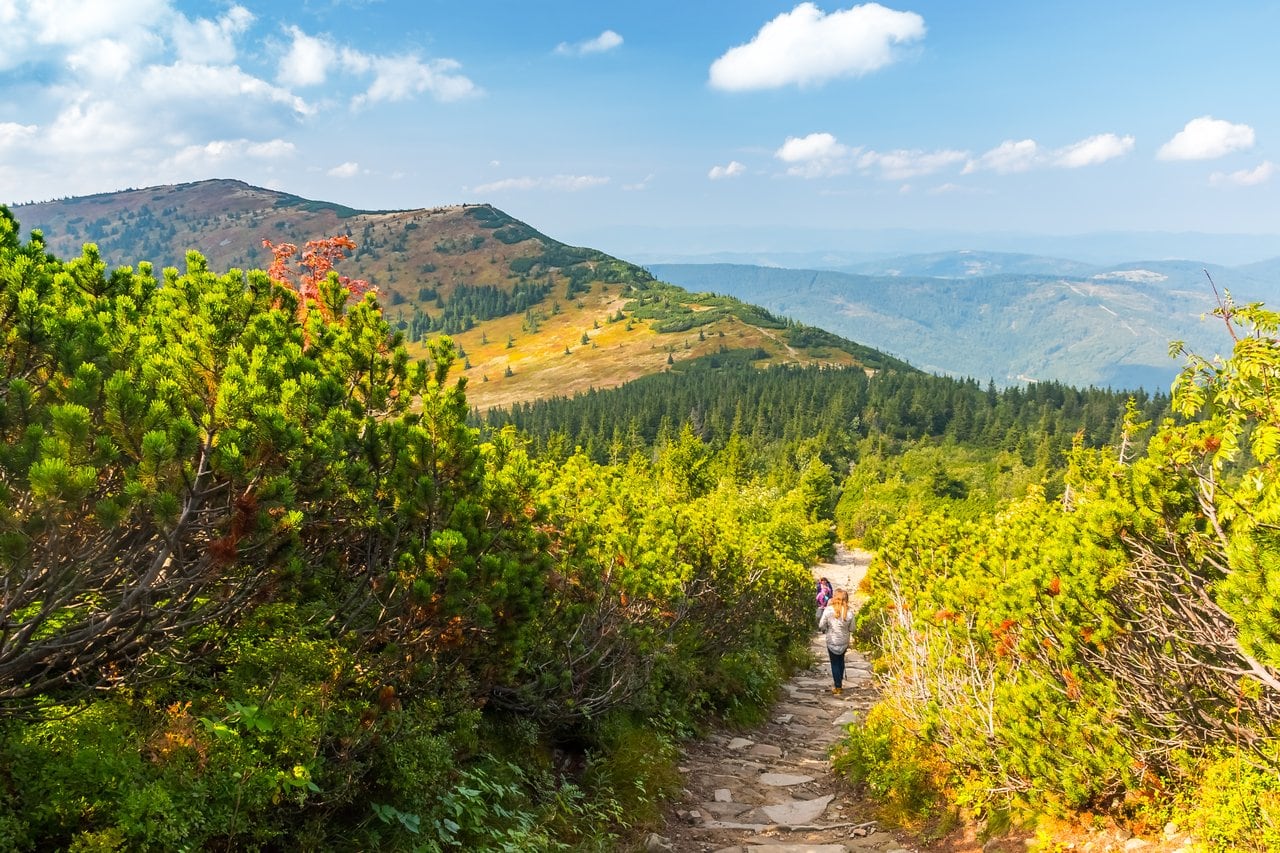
(839, 691)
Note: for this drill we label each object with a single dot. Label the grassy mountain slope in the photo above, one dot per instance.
(533, 317)
(1109, 328)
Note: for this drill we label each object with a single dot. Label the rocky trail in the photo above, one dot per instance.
(772, 789)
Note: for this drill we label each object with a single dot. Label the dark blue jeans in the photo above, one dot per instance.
(837, 667)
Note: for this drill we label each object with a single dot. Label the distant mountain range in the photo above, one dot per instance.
(1007, 317)
(533, 317)
(836, 248)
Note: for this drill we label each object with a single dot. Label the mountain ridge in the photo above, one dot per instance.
(531, 316)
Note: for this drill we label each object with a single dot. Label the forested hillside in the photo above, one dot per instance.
(1110, 327)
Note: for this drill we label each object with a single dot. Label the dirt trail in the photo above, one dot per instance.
(771, 789)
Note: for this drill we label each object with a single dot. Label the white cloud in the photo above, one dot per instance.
(560, 183)
(1010, 157)
(193, 84)
(69, 23)
(222, 151)
(272, 149)
(1094, 150)
(205, 40)
(311, 59)
(730, 171)
(1007, 157)
(1207, 138)
(1244, 177)
(817, 155)
(307, 61)
(808, 47)
(95, 127)
(606, 41)
(901, 164)
(348, 169)
(106, 60)
(13, 134)
(397, 78)
(639, 186)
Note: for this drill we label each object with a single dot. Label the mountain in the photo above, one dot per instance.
(533, 317)
(804, 247)
(967, 263)
(1109, 328)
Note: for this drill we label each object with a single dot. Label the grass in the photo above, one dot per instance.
(541, 368)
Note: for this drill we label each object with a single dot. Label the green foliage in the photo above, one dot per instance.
(1111, 649)
(888, 762)
(339, 581)
(1232, 804)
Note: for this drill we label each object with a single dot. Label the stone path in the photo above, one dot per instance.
(772, 789)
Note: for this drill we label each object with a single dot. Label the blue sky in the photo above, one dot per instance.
(708, 123)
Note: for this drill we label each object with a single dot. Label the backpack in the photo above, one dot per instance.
(823, 596)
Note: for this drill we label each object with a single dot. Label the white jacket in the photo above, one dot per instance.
(837, 630)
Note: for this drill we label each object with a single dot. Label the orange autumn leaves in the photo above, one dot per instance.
(308, 272)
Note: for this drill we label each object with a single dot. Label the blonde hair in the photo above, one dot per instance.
(840, 603)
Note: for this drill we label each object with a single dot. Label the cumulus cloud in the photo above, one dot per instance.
(902, 164)
(193, 83)
(13, 134)
(1207, 138)
(1095, 149)
(398, 78)
(1244, 177)
(219, 152)
(114, 93)
(104, 61)
(77, 22)
(310, 60)
(206, 40)
(1012, 156)
(348, 169)
(817, 155)
(94, 127)
(606, 41)
(730, 171)
(558, 183)
(1007, 157)
(307, 61)
(808, 47)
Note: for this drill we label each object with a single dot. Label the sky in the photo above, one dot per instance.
(678, 125)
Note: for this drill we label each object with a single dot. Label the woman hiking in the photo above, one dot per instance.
(837, 624)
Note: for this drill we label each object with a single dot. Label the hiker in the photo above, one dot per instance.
(837, 624)
(824, 595)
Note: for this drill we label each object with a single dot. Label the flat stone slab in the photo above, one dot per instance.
(724, 810)
(783, 780)
(845, 719)
(740, 743)
(765, 750)
(798, 812)
(724, 795)
(798, 848)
